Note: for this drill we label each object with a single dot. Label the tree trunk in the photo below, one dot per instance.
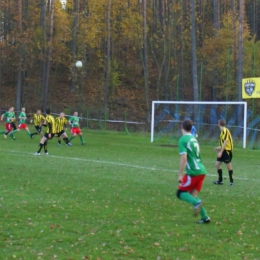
(0, 72)
(108, 56)
(253, 16)
(49, 53)
(234, 19)
(193, 52)
(182, 47)
(240, 49)
(43, 50)
(19, 67)
(145, 64)
(216, 28)
(74, 44)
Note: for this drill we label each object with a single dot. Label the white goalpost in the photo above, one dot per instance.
(197, 103)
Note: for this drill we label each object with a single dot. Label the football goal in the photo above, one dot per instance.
(167, 116)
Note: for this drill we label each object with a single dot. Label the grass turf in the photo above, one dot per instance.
(115, 199)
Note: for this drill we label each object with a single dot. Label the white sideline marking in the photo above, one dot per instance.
(112, 163)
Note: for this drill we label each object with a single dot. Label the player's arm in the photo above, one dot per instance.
(217, 148)
(43, 121)
(222, 148)
(71, 121)
(2, 117)
(65, 122)
(22, 117)
(34, 119)
(183, 162)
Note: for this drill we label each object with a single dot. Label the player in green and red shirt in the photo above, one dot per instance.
(190, 183)
(75, 129)
(22, 125)
(10, 118)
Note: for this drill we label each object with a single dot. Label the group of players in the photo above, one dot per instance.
(54, 127)
(190, 183)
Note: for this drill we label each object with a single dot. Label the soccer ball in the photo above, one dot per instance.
(79, 64)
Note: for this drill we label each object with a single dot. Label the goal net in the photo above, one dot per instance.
(167, 116)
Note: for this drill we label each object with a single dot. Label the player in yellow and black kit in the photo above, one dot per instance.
(60, 123)
(50, 132)
(224, 150)
(38, 120)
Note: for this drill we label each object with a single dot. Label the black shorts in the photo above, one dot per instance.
(60, 133)
(226, 157)
(46, 135)
(38, 128)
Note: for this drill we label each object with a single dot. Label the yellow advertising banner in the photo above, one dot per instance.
(251, 88)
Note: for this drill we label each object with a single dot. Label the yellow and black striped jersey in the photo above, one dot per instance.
(60, 123)
(38, 119)
(226, 135)
(50, 122)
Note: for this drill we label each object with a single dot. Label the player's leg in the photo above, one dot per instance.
(228, 159)
(5, 132)
(230, 173)
(28, 131)
(8, 129)
(20, 126)
(12, 133)
(72, 137)
(59, 139)
(11, 130)
(184, 189)
(45, 147)
(33, 134)
(38, 131)
(14, 125)
(220, 174)
(14, 130)
(187, 197)
(81, 139)
(66, 139)
(199, 208)
(42, 142)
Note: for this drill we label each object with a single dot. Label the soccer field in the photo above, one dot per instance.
(115, 199)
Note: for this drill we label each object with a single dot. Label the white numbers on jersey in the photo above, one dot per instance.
(197, 147)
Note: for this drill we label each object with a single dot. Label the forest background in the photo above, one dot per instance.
(133, 52)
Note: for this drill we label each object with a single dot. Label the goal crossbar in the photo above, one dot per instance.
(202, 103)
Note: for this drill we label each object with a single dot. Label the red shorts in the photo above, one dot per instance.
(75, 130)
(8, 127)
(22, 126)
(190, 183)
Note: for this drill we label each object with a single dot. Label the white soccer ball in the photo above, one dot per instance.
(79, 64)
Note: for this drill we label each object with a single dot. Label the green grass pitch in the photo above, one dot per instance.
(115, 199)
